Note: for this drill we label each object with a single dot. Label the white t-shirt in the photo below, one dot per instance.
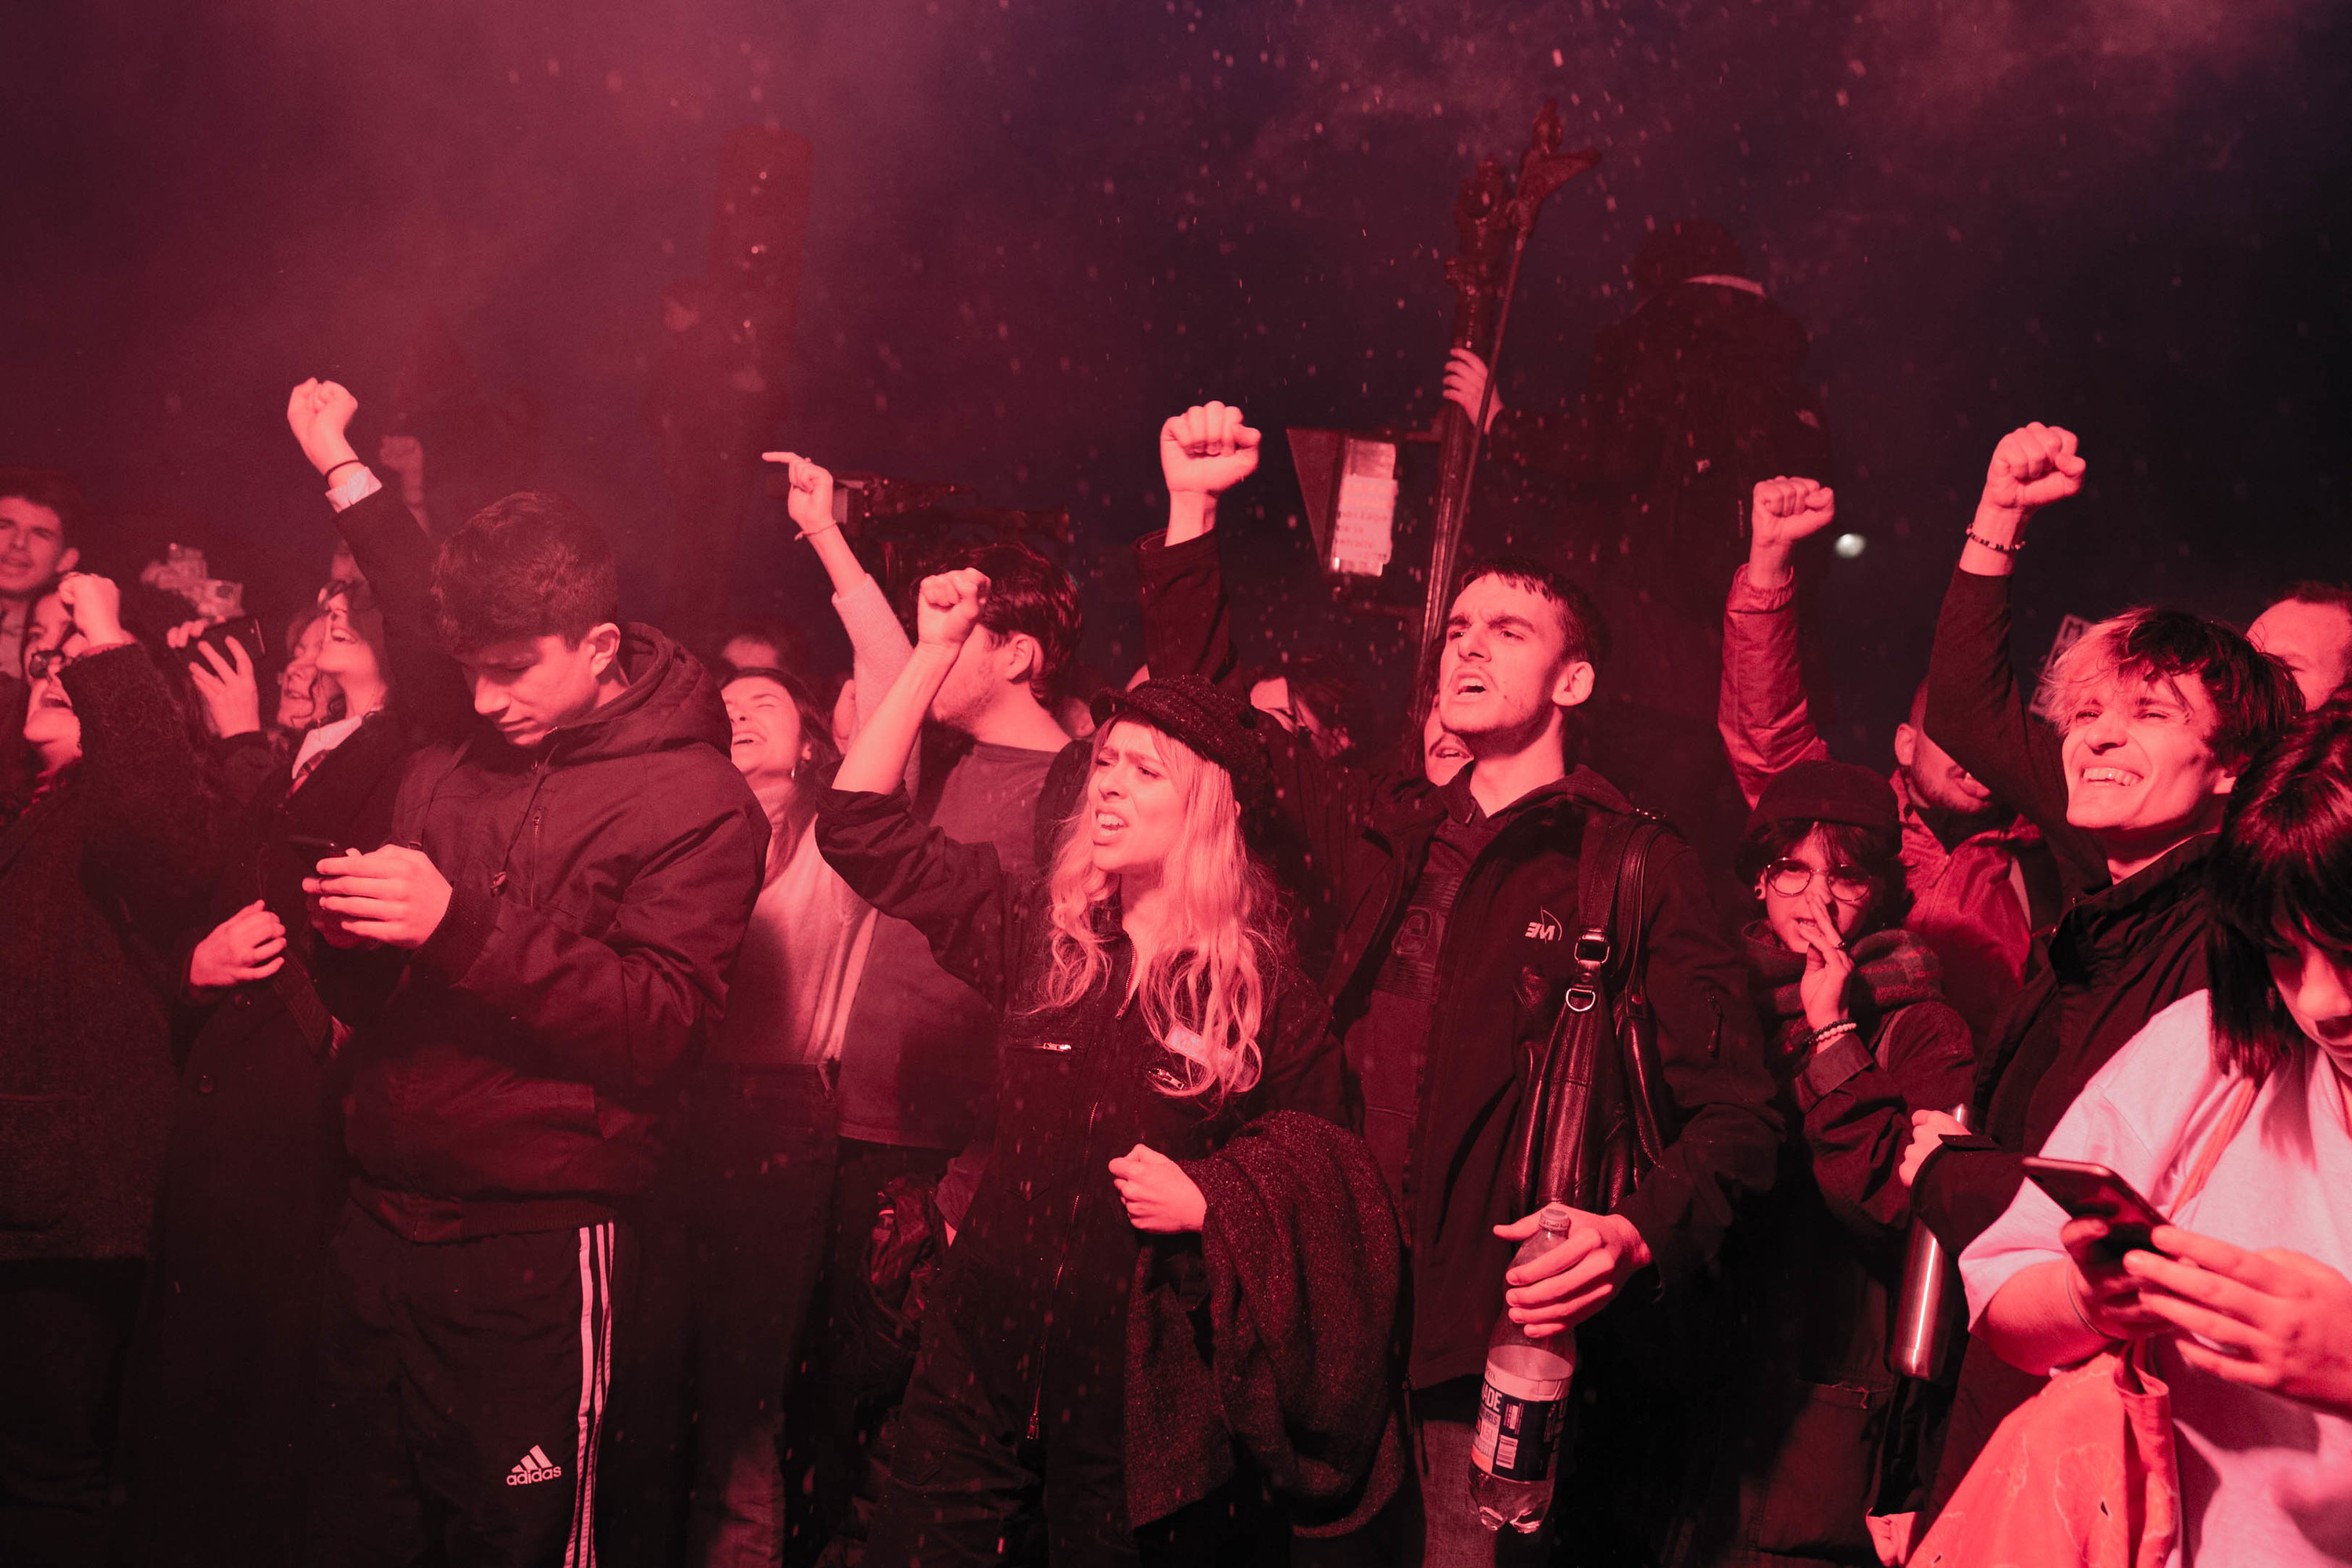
(2265, 1481)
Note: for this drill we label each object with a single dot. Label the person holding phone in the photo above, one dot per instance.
(2244, 1300)
(255, 1175)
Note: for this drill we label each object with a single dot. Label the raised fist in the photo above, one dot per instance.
(319, 412)
(947, 607)
(403, 455)
(2030, 468)
(1466, 384)
(1207, 450)
(1786, 510)
(96, 605)
(810, 500)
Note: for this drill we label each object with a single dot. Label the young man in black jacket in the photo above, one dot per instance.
(1455, 910)
(553, 923)
(2155, 713)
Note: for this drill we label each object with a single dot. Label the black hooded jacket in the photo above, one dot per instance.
(517, 1075)
(1503, 970)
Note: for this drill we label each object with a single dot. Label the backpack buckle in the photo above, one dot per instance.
(1591, 949)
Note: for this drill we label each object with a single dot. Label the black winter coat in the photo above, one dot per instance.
(1037, 1283)
(253, 1181)
(2121, 953)
(1503, 973)
(1816, 1269)
(96, 880)
(519, 1072)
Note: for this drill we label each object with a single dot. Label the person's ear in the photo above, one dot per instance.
(1022, 658)
(2224, 783)
(67, 559)
(1906, 745)
(1573, 686)
(604, 647)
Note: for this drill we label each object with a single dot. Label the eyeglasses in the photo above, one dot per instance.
(41, 661)
(1791, 877)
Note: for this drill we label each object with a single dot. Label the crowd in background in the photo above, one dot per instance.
(483, 1081)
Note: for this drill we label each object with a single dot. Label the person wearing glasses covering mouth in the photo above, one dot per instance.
(1857, 1035)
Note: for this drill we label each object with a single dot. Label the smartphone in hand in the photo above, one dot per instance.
(2094, 1192)
(246, 629)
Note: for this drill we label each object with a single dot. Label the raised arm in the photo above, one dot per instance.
(1976, 710)
(1760, 709)
(956, 894)
(1187, 621)
(146, 823)
(877, 644)
(393, 552)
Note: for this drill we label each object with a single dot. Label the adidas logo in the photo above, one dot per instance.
(535, 1467)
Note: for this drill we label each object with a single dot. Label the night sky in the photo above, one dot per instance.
(1039, 229)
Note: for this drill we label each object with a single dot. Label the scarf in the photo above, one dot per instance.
(1891, 969)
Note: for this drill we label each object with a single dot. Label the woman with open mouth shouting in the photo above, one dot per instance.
(1153, 1009)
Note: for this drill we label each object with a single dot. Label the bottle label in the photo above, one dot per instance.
(1516, 1435)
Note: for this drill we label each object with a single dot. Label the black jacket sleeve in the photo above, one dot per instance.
(1978, 712)
(1710, 1044)
(957, 894)
(1965, 1185)
(147, 824)
(1302, 1069)
(1187, 619)
(429, 691)
(1857, 1109)
(1188, 631)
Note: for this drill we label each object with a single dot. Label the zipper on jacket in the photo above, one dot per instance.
(1077, 1198)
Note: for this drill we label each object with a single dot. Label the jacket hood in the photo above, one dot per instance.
(672, 701)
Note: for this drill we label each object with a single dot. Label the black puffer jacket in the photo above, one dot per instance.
(518, 1075)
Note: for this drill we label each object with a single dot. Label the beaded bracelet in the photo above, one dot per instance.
(1837, 1031)
(2010, 549)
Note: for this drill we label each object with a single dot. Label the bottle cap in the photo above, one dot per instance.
(1557, 1218)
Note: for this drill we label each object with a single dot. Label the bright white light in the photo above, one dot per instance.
(1849, 545)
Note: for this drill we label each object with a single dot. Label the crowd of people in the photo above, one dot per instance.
(498, 1084)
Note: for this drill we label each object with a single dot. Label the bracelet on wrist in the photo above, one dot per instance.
(812, 533)
(333, 468)
(1835, 1031)
(2010, 549)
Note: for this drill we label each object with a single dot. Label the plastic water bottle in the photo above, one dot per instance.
(1523, 1405)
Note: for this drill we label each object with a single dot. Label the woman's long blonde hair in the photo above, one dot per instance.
(1204, 991)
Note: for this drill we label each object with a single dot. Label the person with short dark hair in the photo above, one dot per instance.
(551, 930)
(96, 875)
(2309, 628)
(40, 514)
(913, 1090)
(1453, 965)
(2156, 714)
(2232, 1113)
